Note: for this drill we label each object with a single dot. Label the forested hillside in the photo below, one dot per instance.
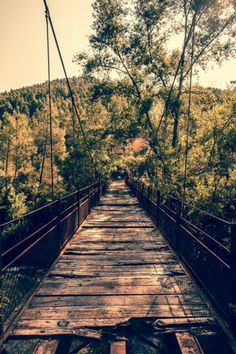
(140, 110)
(25, 143)
(119, 141)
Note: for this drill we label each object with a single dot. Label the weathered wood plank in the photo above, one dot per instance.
(71, 261)
(100, 285)
(49, 327)
(52, 327)
(76, 274)
(110, 231)
(115, 245)
(47, 347)
(117, 250)
(172, 266)
(118, 347)
(119, 300)
(72, 313)
(109, 256)
(103, 290)
(169, 322)
(136, 256)
(118, 222)
(111, 247)
(115, 271)
(188, 343)
(116, 267)
(100, 235)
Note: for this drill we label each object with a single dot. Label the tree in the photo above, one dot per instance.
(133, 42)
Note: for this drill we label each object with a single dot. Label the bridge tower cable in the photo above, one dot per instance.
(50, 104)
(96, 173)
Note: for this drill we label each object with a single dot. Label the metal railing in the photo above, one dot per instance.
(205, 243)
(31, 243)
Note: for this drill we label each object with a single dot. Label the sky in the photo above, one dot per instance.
(23, 60)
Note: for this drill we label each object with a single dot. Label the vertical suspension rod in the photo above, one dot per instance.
(73, 136)
(50, 104)
(188, 118)
(70, 90)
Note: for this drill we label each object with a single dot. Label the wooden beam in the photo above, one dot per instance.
(188, 343)
(118, 347)
(47, 347)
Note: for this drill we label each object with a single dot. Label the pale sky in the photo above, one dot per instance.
(23, 42)
(23, 39)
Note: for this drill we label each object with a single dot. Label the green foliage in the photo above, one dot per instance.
(25, 178)
(17, 203)
(112, 122)
(131, 45)
(134, 86)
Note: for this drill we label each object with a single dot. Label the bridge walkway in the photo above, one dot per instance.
(116, 267)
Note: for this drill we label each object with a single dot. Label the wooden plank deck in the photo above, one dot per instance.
(116, 267)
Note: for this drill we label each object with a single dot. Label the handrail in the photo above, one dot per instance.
(211, 263)
(204, 233)
(89, 186)
(195, 227)
(28, 214)
(214, 217)
(46, 205)
(202, 211)
(68, 195)
(39, 237)
(24, 241)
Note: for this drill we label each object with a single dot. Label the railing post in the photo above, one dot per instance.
(1, 317)
(78, 206)
(96, 191)
(177, 226)
(148, 198)
(89, 200)
(158, 201)
(233, 276)
(94, 194)
(58, 214)
(100, 190)
(103, 188)
(142, 194)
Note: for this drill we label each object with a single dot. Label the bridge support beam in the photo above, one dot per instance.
(47, 347)
(118, 347)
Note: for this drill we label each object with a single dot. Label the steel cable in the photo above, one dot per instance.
(50, 104)
(70, 89)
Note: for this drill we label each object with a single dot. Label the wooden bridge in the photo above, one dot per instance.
(117, 277)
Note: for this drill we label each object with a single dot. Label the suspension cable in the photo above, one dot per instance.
(73, 138)
(188, 118)
(50, 104)
(70, 89)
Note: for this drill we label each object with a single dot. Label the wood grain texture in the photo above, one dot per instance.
(188, 343)
(47, 347)
(116, 267)
(118, 347)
